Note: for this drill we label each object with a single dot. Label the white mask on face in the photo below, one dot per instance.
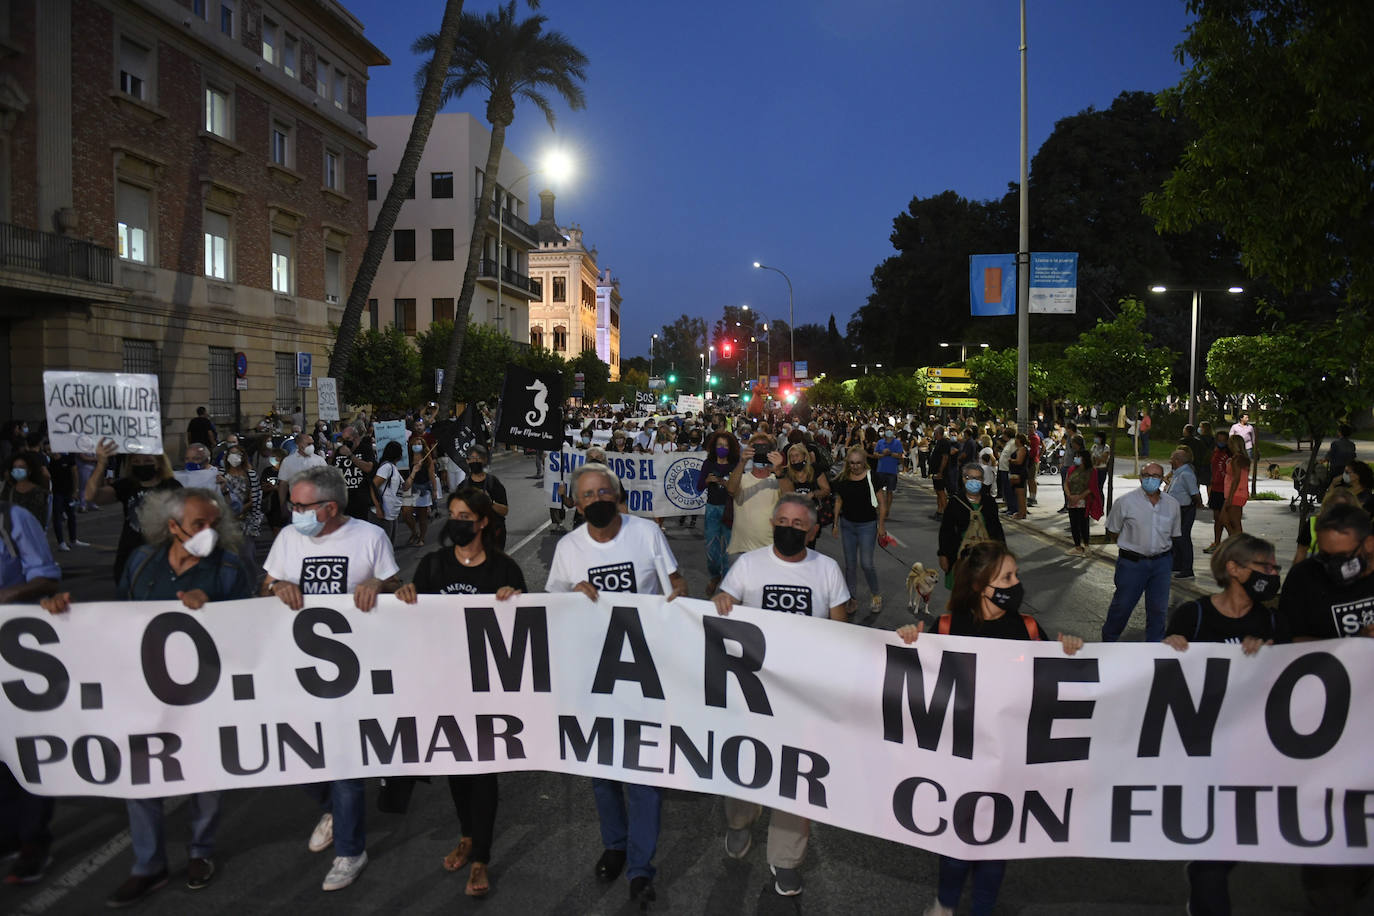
(309, 450)
(234, 459)
(202, 543)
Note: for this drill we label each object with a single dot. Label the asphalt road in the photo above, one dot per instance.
(547, 839)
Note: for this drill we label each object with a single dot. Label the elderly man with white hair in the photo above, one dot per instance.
(1143, 523)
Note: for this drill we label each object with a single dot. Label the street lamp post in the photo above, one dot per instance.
(652, 338)
(1195, 328)
(963, 347)
(791, 317)
(865, 365)
(557, 166)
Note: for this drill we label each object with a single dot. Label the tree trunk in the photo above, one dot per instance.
(380, 236)
(463, 308)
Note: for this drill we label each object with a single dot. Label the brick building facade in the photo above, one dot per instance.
(180, 180)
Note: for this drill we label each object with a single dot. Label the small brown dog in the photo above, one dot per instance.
(1274, 472)
(920, 585)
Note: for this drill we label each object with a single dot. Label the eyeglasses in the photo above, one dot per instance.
(305, 507)
(602, 493)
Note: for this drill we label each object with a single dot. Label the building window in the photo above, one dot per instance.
(441, 244)
(410, 190)
(133, 212)
(536, 337)
(560, 339)
(403, 241)
(134, 69)
(443, 310)
(281, 264)
(340, 89)
(221, 383)
(560, 289)
(322, 77)
(405, 316)
(141, 357)
(333, 170)
(198, 7)
(281, 144)
(216, 245)
(285, 373)
(441, 185)
(270, 38)
(217, 111)
(371, 187)
(333, 275)
(372, 312)
(290, 53)
(226, 17)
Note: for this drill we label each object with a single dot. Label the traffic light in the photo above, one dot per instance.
(672, 378)
(664, 399)
(744, 398)
(713, 381)
(725, 348)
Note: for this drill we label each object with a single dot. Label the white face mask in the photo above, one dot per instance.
(309, 450)
(202, 543)
(234, 459)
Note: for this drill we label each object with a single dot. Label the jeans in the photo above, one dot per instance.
(1209, 892)
(24, 817)
(343, 798)
(1183, 544)
(859, 539)
(629, 817)
(63, 509)
(1133, 579)
(987, 881)
(148, 830)
(474, 801)
(717, 541)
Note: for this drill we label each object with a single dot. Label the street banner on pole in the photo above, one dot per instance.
(1053, 282)
(327, 398)
(992, 284)
(801, 369)
(968, 747)
(84, 408)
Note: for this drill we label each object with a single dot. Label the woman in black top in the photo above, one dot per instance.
(479, 459)
(859, 521)
(722, 455)
(143, 474)
(985, 601)
(474, 565)
(801, 477)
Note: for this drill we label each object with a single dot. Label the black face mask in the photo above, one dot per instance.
(1261, 587)
(601, 513)
(144, 471)
(798, 466)
(1009, 599)
(788, 541)
(1343, 568)
(476, 467)
(460, 531)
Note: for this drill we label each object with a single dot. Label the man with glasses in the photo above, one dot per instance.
(1144, 524)
(617, 553)
(325, 552)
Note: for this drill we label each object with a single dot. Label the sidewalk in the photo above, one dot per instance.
(1272, 520)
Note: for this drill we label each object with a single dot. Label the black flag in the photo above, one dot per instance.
(531, 410)
(455, 437)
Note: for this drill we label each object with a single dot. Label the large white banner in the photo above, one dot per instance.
(86, 408)
(978, 748)
(658, 486)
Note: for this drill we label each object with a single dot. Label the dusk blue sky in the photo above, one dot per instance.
(717, 134)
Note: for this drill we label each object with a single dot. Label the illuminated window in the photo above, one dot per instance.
(216, 245)
(133, 214)
(282, 279)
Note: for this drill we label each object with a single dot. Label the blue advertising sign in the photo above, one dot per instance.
(1053, 282)
(992, 284)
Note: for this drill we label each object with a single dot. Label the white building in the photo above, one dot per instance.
(422, 273)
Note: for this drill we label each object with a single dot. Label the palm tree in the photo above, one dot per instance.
(510, 60)
(432, 80)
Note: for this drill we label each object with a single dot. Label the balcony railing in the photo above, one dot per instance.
(487, 268)
(54, 255)
(510, 220)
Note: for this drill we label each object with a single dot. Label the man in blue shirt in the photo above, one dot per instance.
(1184, 488)
(27, 573)
(889, 451)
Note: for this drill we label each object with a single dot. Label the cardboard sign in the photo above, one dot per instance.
(85, 408)
(384, 431)
(327, 397)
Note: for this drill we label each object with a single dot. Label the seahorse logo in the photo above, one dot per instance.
(536, 416)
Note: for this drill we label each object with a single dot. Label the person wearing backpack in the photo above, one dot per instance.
(970, 517)
(191, 556)
(985, 601)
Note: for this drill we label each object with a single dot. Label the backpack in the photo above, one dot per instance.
(1032, 628)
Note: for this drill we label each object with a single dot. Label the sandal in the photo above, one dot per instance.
(459, 856)
(1211, 548)
(479, 883)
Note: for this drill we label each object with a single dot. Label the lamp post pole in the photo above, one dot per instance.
(652, 338)
(1195, 329)
(963, 347)
(791, 317)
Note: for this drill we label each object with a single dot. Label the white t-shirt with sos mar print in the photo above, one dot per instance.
(811, 586)
(629, 562)
(332, 564)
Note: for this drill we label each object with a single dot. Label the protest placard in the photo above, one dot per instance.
(384, 431)
(327, 398)
(85, 408)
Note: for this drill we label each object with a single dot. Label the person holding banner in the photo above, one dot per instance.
(190, 555)
(614, 552)
(143, 474)
(473, 566)
(325, 552)
(793, 579)
(985, 601)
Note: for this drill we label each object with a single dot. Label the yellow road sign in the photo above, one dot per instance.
(937, 372)
(951, 402)
(951, 387)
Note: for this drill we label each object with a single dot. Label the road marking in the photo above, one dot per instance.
(529, 537)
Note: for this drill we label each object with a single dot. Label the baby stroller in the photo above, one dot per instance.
(1308, 489)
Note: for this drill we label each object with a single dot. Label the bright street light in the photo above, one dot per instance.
(557, 166)
(1196, 326)
(791, 317)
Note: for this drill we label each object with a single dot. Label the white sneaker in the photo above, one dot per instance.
(323, 834)
(344, 871)
(62, 546)
(937, 909)
(80, 543)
